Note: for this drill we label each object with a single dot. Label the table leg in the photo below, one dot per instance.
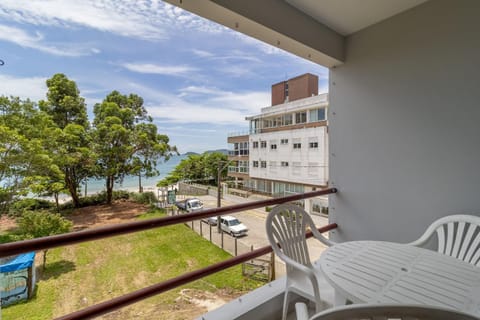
(340, 300)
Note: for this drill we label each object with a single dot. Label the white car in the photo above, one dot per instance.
(233, 226)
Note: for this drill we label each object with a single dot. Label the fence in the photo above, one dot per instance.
(259, 269)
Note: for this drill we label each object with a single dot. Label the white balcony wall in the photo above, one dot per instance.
(404, 123)
(304, 165)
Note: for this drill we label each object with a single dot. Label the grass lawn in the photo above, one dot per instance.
(81, 275)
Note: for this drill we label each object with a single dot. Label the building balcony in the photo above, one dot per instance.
(240, 172)
(238, 153)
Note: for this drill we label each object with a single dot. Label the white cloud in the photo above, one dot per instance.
(202, 53)
(148, 20)
(216, 106)
(159, 69)
(33, 87)
(26, 40)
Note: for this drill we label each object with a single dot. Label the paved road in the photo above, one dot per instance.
(254, 219)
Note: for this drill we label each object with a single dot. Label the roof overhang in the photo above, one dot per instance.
(312, 29)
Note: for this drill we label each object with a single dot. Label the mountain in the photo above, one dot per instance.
(224, 151)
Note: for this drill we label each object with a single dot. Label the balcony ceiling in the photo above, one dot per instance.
(312, 29)
(349, 16)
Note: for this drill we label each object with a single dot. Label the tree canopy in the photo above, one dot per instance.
(50, 147)
(201, 168)
(127, 142)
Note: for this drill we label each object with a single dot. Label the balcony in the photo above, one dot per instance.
(238, 153)
(270, 292)
(242, 170)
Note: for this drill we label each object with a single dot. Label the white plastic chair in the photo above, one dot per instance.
(286, 227)
(458, 236)
(383, 312)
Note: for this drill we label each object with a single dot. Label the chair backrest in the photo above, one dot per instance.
(286, 227)
(387, 312)
(458, 236)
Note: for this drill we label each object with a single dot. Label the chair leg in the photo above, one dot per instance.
(285, 305)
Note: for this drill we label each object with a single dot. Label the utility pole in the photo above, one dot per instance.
(219, 200)
(219, 185)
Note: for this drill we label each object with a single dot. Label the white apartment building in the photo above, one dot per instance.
(288, 149)
(287, 143)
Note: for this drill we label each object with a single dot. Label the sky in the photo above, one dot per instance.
(199, 80)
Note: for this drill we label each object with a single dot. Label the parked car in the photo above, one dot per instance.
(190, 205)
(210, 220)
(233, 226)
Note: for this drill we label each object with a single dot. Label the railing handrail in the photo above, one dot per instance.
(135, 296)
(13, 248)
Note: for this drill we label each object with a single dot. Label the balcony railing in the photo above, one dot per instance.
(238, 153)
(233, 169)
(14, 248)
(238, 133)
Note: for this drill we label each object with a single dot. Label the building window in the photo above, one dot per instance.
(263, 164)
(255, 144)
(284, 141)
(273, 146)
(317, 115)
(297, 146)
(300, 117)
(287, 119)
(284, 164)
(263, 144)
(313, 144)
(255, 164)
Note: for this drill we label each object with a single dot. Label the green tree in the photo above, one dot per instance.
(126, 140)
(36, 224)
(71, 150)
(202, 168)
(25, 133)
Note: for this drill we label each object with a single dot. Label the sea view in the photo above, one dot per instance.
(131, 182)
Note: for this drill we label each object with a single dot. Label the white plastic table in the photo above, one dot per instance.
(385, 272)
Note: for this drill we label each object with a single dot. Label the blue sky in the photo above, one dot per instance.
(199, 80)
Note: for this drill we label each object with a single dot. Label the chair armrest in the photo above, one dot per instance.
(301, 311)
(320, 237)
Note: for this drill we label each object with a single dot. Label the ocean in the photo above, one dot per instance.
(131, 182)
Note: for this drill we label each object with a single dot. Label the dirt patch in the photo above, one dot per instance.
(7, 224)
(100, 215)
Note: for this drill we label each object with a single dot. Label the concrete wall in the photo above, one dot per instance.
(404, 123)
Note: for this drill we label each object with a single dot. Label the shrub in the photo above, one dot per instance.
(30, 204)
(36, 224)
(144, 198)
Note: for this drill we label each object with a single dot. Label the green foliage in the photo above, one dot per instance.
(144, 197)
(49, 149)
(127, 141)
(41, 223)
(200, 168)
(19, 206)
(25, 134)
(70, 147)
